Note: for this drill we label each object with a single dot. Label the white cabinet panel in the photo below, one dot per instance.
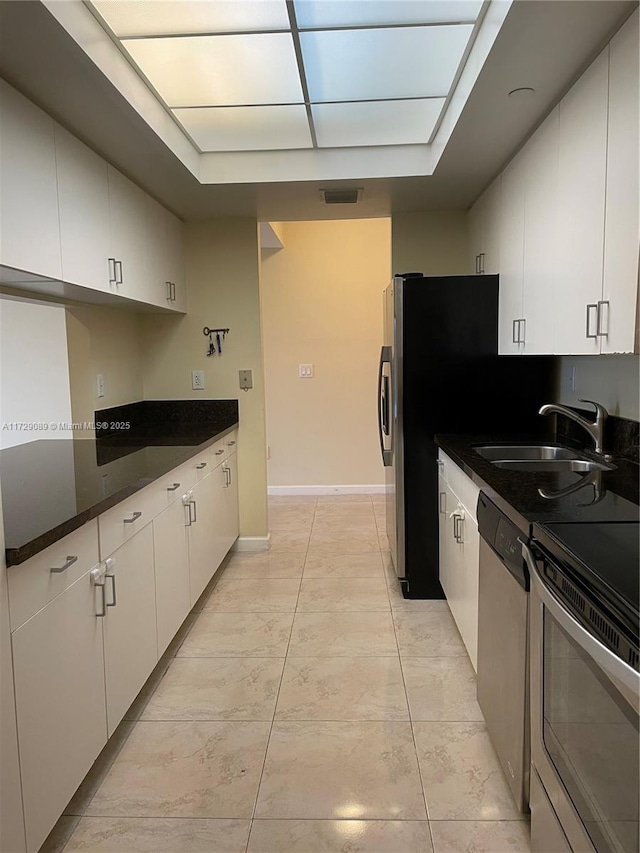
(230, 487)
(85, 235)
(581, 205)
(130, 238)
(171, 549)
(206, 531)
(28, 187)
(175, 259)
(540, 161)
(620, 284)
(130, 636)
(60, 700)
(512, 193)
(484, 229)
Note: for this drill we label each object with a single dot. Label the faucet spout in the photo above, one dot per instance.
(594, 428)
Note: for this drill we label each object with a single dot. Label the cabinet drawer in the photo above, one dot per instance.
(35, 583)
(125, 519)
(463, 486)
(217, 452)
(231, 442)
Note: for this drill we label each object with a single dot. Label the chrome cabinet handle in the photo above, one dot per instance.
(515, 337)
(481, 263)
(590, 306)
(194, 518)
(457, 519)
(70, 562)
(522, 340)
(477, 264)
(186, 502)
(173, 291)
(114, 599)
(97, 578)
(230, 443)
(601, 312)
(227, 477)
(118, 272)
(443, 504)
(173, 487)
(112, 270)
(218, 452)
(134, 517)
(201, 465)
(168, 283)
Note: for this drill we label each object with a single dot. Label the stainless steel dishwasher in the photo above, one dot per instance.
(503, 670)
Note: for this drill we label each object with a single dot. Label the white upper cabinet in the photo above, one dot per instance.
(581, 205)
(130, 233)
(620, 282)
(165, 257)
(175, 257)
(540, 158)
(485, 231)
(85, 236)
(28, 187)
(511, 228)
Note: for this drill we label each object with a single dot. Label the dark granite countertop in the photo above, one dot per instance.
(52, 487)
(611, 496)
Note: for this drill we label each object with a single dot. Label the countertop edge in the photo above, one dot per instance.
(18, 556)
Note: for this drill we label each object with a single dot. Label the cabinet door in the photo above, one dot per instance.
(511, 258)
(175, 260)
(60, 700)
(446, 503)
(206, 531)
(468, 562)
(540, 160)
(130, 237)
(230, 488)
(581, 205)
(158, 254)
(620, 285)
(171, 548)
(83, 190)
(29, 197)
(491, 237)
(477, 216)
(130, 635)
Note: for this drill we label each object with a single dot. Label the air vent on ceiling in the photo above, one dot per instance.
(341, 196)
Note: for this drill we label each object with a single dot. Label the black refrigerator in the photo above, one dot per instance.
(440, 372)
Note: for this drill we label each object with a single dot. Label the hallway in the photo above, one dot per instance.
(305, 707)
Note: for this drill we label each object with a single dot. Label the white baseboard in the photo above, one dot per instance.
(252, 543)
(326, 490)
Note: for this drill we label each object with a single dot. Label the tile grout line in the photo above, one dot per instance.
(275, 707)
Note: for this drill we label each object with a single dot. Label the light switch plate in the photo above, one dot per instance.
(99, 385)
(305, 371)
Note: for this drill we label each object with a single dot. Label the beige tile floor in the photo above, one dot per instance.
(305, 707)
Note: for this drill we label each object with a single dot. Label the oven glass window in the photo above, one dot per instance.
(591, 735)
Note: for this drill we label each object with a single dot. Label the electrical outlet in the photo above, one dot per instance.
(305, 371)
(197, 380)
(246, 380)
(99, 385)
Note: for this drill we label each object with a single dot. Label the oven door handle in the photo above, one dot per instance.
(624, 677)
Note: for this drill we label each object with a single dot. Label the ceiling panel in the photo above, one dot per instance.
(358, 13)
(220, 70)
(172, 17)
(376, 122)
(400, 62)
(247, 128)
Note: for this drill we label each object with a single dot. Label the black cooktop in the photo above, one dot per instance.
(606, 557)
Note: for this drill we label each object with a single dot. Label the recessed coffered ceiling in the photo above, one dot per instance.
(240, 75)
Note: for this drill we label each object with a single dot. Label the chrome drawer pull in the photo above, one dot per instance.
(173, 488)
(594, 306)
(218, 452)
(230, 443)
(134, 517)
(70, 562)
(201, 465)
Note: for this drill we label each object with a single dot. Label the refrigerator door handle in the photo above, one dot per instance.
(383, 406)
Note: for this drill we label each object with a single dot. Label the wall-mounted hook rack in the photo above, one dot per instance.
(220, 335)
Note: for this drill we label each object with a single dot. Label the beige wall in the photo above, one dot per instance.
(613, 380)
(107, 341)
(430, 242)
(322, 304)
(221, 259)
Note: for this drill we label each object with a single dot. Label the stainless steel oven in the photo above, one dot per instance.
(585, 689)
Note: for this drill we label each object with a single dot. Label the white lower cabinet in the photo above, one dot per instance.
(171, 547)
(130, 634)
(86, 635)
(60, 701)
(459, 554)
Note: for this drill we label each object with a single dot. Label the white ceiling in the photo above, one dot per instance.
(545, 45)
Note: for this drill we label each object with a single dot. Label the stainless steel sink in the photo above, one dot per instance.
(580, 466)
(528, 452)
(540, 458)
